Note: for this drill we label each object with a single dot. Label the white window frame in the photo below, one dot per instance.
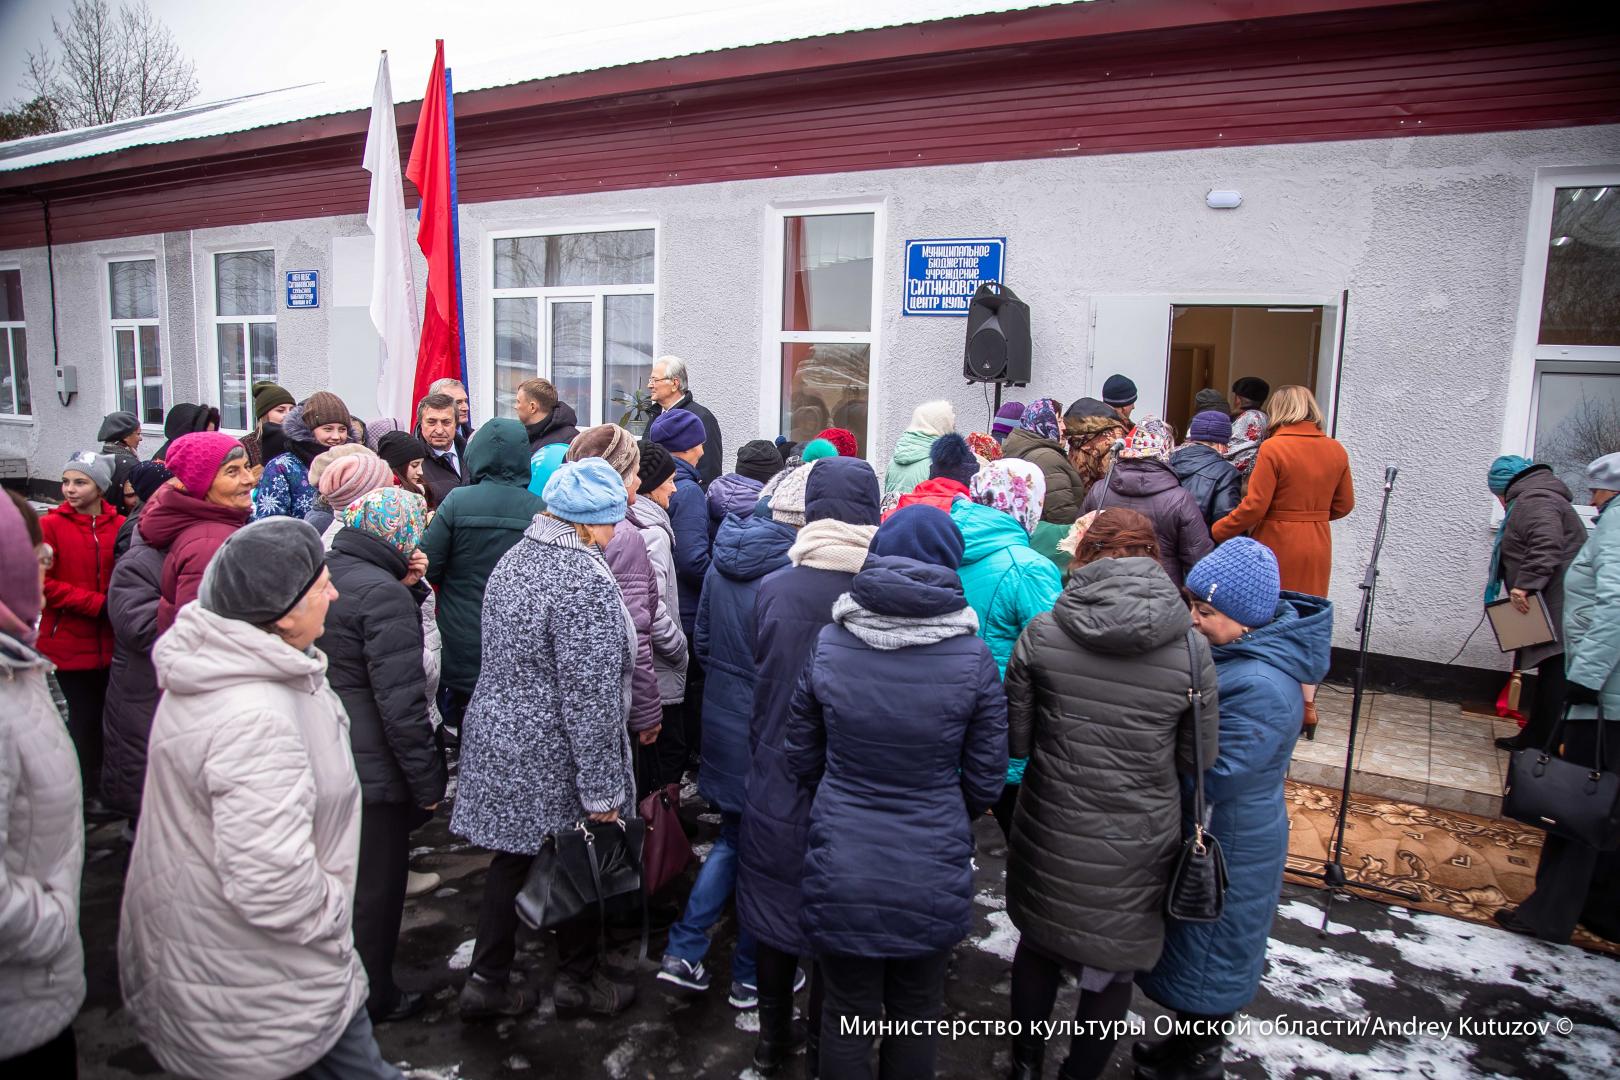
(113, 398)
(7, 413)
(774, 337)
(544, 296)
(215, 394)
(1531, 359)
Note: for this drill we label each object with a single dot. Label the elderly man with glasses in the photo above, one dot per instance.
(670, 389)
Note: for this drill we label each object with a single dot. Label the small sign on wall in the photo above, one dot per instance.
(942, 275)
(303, 288)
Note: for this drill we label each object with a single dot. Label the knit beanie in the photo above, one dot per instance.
(1603, 474)
(376, 429)
(266, 396)
(327, 458)
(842, 489)
(1209, 400)
(586, 492)
(614, 445)
(933, 418)
(348, 478)
(262, 570)
(399, 449)
(1504, 470)
(1007, 418)
(787, 501)
(195, 459)
(98, 467)
(324, 407)
(147, 477)
(951, 458)
(816, 449)
(1213, 426)
(921, 532)
(543, 463)
(841, 438)
(1119, 391)
(759, 460)
(676, 430)
(1252, 389)
(1151, 438)
(656, 466)
(20, 595)
(393, 515)
(116, 425)
(1239, 579)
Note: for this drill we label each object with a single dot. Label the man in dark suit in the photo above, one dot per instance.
(669, 387)
(445, 467)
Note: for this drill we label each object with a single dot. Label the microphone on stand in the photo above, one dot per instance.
(1389, 476)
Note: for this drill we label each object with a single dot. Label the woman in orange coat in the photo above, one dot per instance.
(1301, 481)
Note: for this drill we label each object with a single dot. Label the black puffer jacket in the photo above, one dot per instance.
(1540, 538)
(1150, 488)
(1097, 699)
(373, 647)
(1210, 479)
(132, 691)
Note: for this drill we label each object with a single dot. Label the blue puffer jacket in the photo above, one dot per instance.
(745, 550)
(1215, 968)
(732, 493)
(906, 745)
(689, 517)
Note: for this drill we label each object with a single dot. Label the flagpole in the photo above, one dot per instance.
(455, 226)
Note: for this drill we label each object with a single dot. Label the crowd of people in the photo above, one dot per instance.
(277, 650)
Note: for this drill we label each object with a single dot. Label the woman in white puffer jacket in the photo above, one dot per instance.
(41, 828)
(235, 948)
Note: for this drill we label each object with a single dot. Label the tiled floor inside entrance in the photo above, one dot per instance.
(1408, 748)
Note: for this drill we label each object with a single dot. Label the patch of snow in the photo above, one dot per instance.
(1585, 1051)
(446, 891)
(709, 819)
(991, 899)
(748, 1021)
(517, 1063)
(419, 851)
(452, 1072)
(1301, 912)
(1002, 940)
(1297, 1055)
(702, 850)
(461, 959)
(1296, 973)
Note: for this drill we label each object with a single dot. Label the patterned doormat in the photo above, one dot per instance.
(1458, 864)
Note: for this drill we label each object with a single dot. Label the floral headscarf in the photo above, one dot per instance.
(1013, 486)
(1152, 438)
(393, 515)
(1043, 418)
(985, 446)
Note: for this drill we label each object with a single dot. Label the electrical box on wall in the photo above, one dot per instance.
(67, 379)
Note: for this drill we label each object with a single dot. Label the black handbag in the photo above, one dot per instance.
(1575, 801)
(581, 868)
(1197, 891)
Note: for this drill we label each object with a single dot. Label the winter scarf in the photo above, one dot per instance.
(889, 632)
(830, 544)
(1043, 418)
(392, 515)
(1015, 487)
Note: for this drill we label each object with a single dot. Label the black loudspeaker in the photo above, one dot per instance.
(998, 348)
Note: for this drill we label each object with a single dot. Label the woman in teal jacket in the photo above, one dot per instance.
(908, 465)
(1006, 581)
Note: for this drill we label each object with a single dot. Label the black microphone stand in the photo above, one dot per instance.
(1332, 873)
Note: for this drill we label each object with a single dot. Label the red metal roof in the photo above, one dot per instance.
(1109, 77)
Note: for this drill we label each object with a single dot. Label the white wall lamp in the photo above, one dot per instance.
(1224, 200)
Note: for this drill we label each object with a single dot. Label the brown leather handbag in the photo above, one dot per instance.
(665, 850)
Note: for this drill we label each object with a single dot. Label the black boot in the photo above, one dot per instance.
(1161, 1053)
(780, 1038)
(1028, 1054)
(1203, 1062)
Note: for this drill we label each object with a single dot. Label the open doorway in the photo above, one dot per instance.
(1213, 345)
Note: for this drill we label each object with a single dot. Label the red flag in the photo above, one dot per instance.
(438, 356)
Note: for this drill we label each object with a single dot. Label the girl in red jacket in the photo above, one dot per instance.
(74, 633)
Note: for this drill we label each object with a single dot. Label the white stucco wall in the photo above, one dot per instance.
(1427, 234)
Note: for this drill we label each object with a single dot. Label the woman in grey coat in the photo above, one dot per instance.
(545, 743)
(1098, 700)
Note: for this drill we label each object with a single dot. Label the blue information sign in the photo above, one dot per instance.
(942, 275)
(303, 288)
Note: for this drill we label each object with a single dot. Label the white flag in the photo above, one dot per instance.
(393, 282)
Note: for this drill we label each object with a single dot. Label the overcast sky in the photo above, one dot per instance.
(243, 47)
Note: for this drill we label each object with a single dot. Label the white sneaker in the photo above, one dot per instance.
(420, 884)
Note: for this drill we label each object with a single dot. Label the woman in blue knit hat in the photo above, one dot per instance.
(1266, 643)
(546, 741)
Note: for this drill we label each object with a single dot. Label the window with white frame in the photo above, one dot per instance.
(575, 308)
(14, 396)
(821, 340)
(244, 329)
(137, 351)
(1575, 410)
